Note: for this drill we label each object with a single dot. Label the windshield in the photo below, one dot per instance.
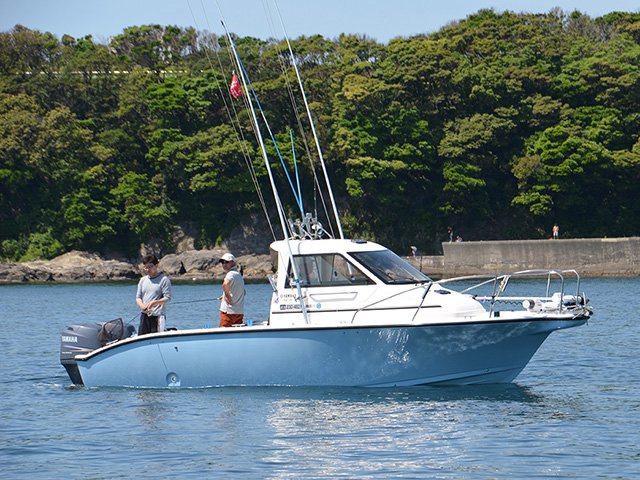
(389, 267)
(328, 270)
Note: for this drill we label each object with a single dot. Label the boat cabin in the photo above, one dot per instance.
(342, 282)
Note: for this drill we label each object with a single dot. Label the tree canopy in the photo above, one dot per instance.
(499, 125)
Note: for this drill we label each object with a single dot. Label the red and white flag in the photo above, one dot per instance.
(236, 89)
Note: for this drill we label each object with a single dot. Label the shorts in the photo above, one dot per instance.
(230, 319)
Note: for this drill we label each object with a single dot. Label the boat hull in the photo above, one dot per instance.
(368, 356)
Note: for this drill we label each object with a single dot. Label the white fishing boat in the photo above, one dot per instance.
(357, 315)
(343, 313)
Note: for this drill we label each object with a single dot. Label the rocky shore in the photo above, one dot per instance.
(591, 257)
(76, 267)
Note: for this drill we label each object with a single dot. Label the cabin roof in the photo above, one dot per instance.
(323, 246)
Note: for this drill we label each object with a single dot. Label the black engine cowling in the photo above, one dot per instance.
(80, 339)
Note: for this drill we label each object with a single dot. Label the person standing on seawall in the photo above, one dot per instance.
(555, 231)
(232, 304)
(154, 292)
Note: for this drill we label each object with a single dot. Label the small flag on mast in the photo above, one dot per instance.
(236, 89)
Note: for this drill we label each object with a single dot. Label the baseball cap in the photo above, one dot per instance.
(227, 257)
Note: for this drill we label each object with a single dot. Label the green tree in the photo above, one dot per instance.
(498, 124)
(20, 122)
(143, 208)
(567, 164)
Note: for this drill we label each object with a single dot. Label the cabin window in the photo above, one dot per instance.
(389, 267)
(328, 270)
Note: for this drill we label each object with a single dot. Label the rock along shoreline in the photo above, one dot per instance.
(82, 267)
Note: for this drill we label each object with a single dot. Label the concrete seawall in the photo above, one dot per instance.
(589, 256)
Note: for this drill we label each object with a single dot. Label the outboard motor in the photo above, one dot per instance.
(83, 338)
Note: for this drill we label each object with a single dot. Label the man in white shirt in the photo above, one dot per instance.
(232, 304)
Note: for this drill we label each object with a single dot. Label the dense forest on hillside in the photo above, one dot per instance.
(499, 125)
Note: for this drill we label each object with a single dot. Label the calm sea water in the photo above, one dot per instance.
(572, 413)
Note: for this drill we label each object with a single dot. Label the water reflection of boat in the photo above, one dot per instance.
(343, 312)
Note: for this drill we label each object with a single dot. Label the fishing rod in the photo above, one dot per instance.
(313, 128)
(178, 303)
(274, 189)
(235, 125)
(297, 196)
